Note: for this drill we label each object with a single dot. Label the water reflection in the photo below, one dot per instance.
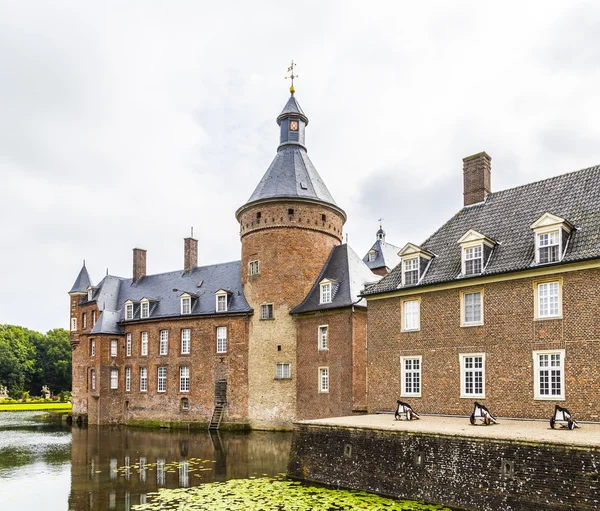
(53, 467)
(115, 467)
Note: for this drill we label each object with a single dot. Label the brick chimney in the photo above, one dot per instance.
(190, 254)
(139, 263)
(477, 170)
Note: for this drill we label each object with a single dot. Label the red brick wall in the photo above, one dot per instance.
(345, 359)
(206, 367)
(508, 338)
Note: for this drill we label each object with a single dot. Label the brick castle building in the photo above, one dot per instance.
(277, 336)
(500, 305)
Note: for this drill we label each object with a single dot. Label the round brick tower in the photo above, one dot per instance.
(288, 228)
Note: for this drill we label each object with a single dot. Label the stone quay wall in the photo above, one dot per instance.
(468, 473)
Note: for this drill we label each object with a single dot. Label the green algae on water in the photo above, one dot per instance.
(273, 494)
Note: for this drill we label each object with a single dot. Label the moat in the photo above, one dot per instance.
(53, 466)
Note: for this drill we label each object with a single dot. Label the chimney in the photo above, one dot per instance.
(139, 263)
(190, 254)
(477, 170)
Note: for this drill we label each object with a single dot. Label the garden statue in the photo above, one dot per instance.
(46, 392)
(3, 392)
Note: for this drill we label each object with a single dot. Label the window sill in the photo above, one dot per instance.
(467, 325)
(267, 319)
(549, 398)
(472, 396)
(323, 392)
(402, 394)
(323, 349)
(410, 330)
(220, 353)
(282, 379)
(548, 318)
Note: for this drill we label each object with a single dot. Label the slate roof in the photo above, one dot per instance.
(292, 107)
(387, 255)
(506, 217)
(82, 282)
(346, 268)
(165, 290)
(292, 175)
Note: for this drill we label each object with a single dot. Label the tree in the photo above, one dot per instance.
(53, 361)
(17, 358)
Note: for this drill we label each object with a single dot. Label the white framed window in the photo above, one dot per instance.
(144, 344)
(472, 375)
(253, 268)
(221, 302)
(144, 309)
(221, 339)
(323, 337)
(324, 379)
(410, 271)
(372, 256)
(73, 324)
(326, 292)
(184, 379)
(548, 300)
(186, 305)
(92, 347)
(90, 294)
(162, 379)
(143, 379)
(266, 311)
(185, 341)
(128, 345)
(283, 371)
(473, 260)
(471, 308)
(411, 315)
(93, 318)
(84, 321)
(549, 374)
(114, 344)
(114, 379)
(127, 379)
(411, 376)
(128, 311)
(93, 379)
(548, 247)
(164, 342)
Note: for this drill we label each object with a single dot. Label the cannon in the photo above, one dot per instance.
(563, 417)
(481, 412)
(405, 411)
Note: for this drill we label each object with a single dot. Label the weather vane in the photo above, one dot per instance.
(381, 220)
(292, 76)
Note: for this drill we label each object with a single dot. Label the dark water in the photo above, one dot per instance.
(55, 467)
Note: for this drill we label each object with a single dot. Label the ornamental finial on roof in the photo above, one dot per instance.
(292, 76)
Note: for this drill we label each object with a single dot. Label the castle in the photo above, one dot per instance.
(500, 305)
(277, 336)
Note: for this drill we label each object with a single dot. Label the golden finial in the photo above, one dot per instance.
(292, 76)
(381, 220)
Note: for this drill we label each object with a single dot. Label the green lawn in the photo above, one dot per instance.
(20, 407)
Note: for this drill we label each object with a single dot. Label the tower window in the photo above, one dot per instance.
(324, 218)
(258, 215)
(291, 211)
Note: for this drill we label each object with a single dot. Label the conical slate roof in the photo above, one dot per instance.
(82, 282)
(292, 107)
(292, 174)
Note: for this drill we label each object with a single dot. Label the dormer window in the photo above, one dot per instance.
(221, 301)
(372, 255)
(129, 310)
(186, 305)
(473, 260)
(410, 271)
(144, 309)
(326, 291)
(551, 237)
(415, 261)
(90, 294)
(476, 252)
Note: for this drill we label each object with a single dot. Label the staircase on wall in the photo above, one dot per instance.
(220, 403)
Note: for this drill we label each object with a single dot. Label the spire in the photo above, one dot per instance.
(82, 282)
(292, 174)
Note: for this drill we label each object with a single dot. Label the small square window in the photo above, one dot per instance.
(283, 371)
(267, 311)
(185, 404)
(291, 212)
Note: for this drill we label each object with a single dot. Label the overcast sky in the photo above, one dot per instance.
(123, 124)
